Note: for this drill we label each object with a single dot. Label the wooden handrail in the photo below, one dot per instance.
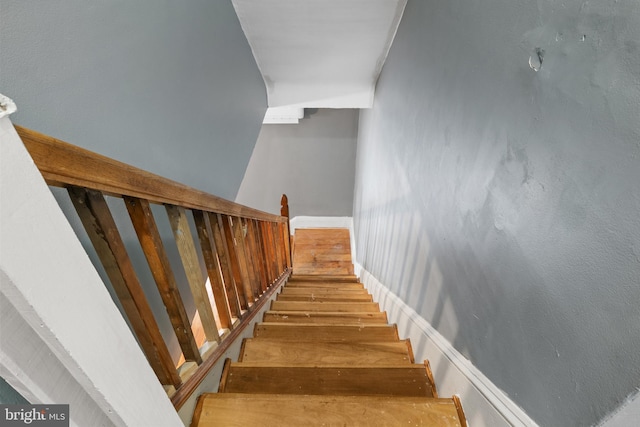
(245, 253)
(62, 164)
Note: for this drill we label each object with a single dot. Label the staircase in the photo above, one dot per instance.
(324, 354)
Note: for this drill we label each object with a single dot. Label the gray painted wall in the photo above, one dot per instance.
(170, 87)
(9, 396)
(502, 203)
(312, 162)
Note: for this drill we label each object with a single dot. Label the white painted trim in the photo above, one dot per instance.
(321, 222)
(483, 402)
(326, 222)
(62, 338)
(283, 115)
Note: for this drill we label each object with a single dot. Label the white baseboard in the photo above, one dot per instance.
(321, 222)
(484, 404)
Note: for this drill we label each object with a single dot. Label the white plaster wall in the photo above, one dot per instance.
(501, 203)
(62, 340)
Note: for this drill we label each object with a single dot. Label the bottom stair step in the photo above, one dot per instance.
(231, 409)
(400, 380)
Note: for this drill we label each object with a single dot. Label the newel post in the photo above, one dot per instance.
(284, 211)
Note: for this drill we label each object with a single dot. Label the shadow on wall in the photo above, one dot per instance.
(447, 281)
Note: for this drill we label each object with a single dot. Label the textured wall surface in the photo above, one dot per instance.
(502, 202)
(169, 87)
(312, 162)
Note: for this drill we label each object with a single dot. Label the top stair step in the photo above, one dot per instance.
(322, 251)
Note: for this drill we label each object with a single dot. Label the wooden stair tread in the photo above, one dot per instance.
(401, 380)
(326, 267)
(231, 409)
(325, 306)
(325, 317)
(338, 297)
(343, 256)
(334, 278)
(320, 232)
(326, 285)
(323, 291)
(274, 352)
(320, 332)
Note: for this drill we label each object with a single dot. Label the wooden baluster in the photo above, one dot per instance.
(264, 248)
(257, 255)
(264, 239)
(273, 249)
(277, 237)
(250, 257)
(235, 264)
(287, 244)
(261, 255)
(213, 268)
(238, 234)
(149, 237)
(225, 264)
(103, 233)
(286, 241)
(187, 249)
(280, 237)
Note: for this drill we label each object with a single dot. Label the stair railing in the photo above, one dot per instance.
(246, 253)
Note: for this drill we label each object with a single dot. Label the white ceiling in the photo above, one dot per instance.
(320, 53)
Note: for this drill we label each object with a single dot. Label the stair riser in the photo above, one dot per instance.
(341, 307)
(410, 381)
(337, 333)
(326, 298)
(325, 285)
(356, 318)
(323, 291)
